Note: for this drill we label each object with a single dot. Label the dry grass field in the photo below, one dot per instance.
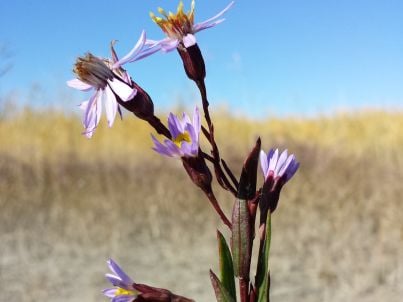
(68, 203)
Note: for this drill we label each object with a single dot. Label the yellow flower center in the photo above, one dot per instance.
(176, 25)
(120, 291)
(182, 137)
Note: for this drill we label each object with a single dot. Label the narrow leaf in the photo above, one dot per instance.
(226, 266)
(241, 239)
(221, 292)
(263, 272)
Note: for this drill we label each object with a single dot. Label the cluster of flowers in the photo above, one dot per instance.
(113, 87)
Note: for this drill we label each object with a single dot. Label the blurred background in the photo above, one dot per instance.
(320, 78)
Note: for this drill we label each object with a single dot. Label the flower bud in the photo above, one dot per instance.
(141, 104)
(198, 171)
(193, 62)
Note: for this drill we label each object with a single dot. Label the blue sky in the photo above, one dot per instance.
(268, 57)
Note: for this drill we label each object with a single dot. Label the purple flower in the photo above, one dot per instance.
(107, 82)
(185, 136)
(275, 166)
(123, 290)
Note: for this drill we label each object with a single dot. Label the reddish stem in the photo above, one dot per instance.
(220, 175)
(244, 289)
(218, 209)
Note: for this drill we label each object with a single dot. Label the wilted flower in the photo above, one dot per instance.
(276, 166)
(185, 136)
(180, 27)
(180, 30)
(123, 290)
(110, 85)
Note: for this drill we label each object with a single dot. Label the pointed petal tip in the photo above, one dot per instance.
(78, 84)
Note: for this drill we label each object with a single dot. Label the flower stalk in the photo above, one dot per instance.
(221, 177)
(113, 88)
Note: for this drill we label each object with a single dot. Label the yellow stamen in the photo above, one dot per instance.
(120, 291)
(176, 25)
(182, 137)
(180, 7)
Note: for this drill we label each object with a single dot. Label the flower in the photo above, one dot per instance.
(110, 85)
(276, 167)
(277, 170)
(180, 27)
(185, 136)
(180, 30)
(123, 290)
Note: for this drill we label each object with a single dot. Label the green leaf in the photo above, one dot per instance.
(241, 239)
(263, 273)
(221, 292)
(226, 266)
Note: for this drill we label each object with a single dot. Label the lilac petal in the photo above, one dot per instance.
(92, 114)
(270, 154)
(148, 52)
(281, 160)
(111, 106)
(192, 133)
(189, 40)
(152, 43)
(122, 89)
(194, 149)
(83, 105)
(186, 149)
(200, 26)
(168, 44)
(285, 166)
(273, 161)
(131, 56)
(109, 292)
(194, 140)
(203, 26)
(114, 55)
(160, 148)
(184, 121)
(78, 84)
(115, 268)
(264, 163)
(116, 281)
(123, 298)
(93, 111)
(172, 148)
(174, 125)
(196, 121)
(89, 133)
(291, 170)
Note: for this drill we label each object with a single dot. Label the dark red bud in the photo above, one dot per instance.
(141, 104)
(155, 294)
(193, 62)
(198, 171)
(270, 196)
